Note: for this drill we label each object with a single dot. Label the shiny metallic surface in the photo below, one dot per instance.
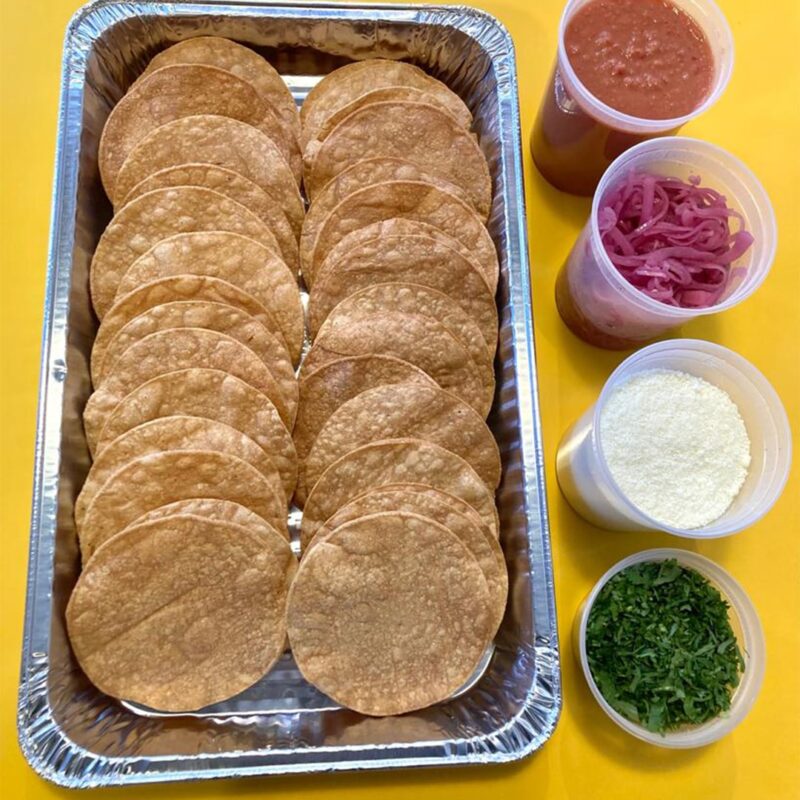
(74, 735)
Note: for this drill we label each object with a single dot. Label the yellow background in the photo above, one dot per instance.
(758, 119)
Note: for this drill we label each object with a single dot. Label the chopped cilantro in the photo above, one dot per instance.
(661, 648)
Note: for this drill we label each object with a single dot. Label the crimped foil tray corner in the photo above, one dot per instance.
(75, 736)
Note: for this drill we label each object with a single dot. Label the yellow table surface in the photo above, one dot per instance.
(758, 119)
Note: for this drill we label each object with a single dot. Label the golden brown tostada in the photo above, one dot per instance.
(235, 186)
(183, 612)
(156, 479)
(222, 141)
(393, 128)
(155, 216)
(241, 261)
(214, 394)
(389, 614)
(349, 82)
(172, 433)
(395, 461)
(176, 349)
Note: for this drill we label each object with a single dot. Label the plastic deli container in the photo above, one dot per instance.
(576, 136)
(584, 475)
(599, 305)
(746, 627)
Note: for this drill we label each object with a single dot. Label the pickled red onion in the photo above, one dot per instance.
(672, 239)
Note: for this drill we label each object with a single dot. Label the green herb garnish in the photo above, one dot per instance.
(661, 648)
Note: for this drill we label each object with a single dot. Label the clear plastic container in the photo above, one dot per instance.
(599, 305)
(589, 487)
(746, 627)
(576, 136)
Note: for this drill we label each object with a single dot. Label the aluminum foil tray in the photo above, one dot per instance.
(70, 732)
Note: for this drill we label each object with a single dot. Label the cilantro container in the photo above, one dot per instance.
(590, 488)
(746, 627)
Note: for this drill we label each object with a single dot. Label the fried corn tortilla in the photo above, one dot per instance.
(363, 173)
(389, 614)
(326, 388)
(182, 612)
(414, 200)
(232, 185)
(155, 216)
(215, 510)
(387, 93)
(421, 340)
(223, 142)
(395, 461)
(178, 288)
(403, 251)
(241, 261)
(154, 480)
(409, 298)
(444, 509)
(241, 61)
(176, 349)
(172, 433)
(348, 83)
(404, 410)
(392, 128)
(219, 317)
(185, 90)
(213, 394)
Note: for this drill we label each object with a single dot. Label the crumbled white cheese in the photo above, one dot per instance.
(676, 445)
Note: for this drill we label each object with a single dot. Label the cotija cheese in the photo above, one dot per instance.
(676, 445)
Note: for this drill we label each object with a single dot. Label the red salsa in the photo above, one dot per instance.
(644, 58)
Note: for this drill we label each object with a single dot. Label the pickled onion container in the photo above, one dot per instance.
(576, 135)
(586, 480)
(745, 624)
(599, 305)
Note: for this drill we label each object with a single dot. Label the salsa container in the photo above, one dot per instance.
(76, 736)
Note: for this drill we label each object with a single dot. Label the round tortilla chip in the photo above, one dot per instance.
(241, 261)
(155, 216)
(218, 317)
(407, 410)
(409, 298)
(181, 613)
(414, 200)
(178, 288)
(401, 250)
(395, 461)
(232, 185)
(392, 129)
(213, 509)
(357, 176)
(323, 390)
(224, 142)
(213, 394)
(439, 507)
(172, 433)
(156, 479)
(389, 614)
(171, 350)
(421, 340)
(346, 84)
(387, 93)
(185, 90)
(241, 61)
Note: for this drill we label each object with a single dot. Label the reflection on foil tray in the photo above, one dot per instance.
(74, 735)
